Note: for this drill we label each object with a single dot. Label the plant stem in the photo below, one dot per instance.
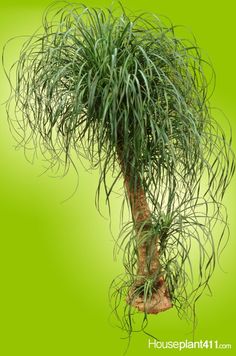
(148, 263)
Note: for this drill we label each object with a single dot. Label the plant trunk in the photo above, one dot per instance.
(148, 264)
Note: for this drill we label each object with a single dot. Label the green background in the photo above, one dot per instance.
(57, 256)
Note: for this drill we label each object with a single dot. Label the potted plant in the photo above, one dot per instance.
(123, 91)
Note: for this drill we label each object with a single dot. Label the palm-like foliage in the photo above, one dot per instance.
(128, 95)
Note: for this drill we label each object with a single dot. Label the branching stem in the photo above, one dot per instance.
(148, 263)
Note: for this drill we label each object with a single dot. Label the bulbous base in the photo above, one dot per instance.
(157, 302)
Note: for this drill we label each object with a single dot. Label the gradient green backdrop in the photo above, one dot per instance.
(56, 258)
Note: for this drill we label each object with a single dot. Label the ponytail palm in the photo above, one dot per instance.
(132, 98)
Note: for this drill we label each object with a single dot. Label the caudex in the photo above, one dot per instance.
(125, 92)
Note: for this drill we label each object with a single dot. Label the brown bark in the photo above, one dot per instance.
(160, 299)
(142, 220)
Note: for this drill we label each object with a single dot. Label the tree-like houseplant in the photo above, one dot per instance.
(126, 93)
